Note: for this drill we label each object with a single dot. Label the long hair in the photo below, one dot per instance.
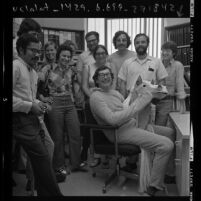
(117, 34)
(27, 25)
(97, 47)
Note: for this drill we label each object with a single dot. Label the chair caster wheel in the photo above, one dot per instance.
(94, 174)
(104, 190)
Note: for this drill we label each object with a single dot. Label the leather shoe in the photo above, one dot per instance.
(61, 175)
(96, 162)
(170, 179)
(83, 164)
(151, 190)
(79, 169)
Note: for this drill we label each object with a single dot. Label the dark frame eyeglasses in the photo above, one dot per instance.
(35, 51)
(103, 75)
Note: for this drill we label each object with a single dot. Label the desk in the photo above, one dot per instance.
(181, 123)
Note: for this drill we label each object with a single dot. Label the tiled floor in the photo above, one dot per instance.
(84, 184)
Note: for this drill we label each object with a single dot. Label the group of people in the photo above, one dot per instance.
(45, 98)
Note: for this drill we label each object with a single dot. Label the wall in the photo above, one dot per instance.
(62, 23)
(175, 21)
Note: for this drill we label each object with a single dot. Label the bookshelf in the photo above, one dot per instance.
(181, 35)
(61, 35)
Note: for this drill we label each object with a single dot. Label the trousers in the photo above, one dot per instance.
(26, 129)
(163, 108)
(160, 142)
(63, 119)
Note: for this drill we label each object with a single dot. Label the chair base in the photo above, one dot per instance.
(113, 173)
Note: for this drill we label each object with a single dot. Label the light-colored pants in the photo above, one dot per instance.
(159, 142)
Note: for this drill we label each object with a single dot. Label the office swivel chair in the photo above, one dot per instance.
(101, 145)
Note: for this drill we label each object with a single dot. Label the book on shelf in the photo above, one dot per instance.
(184, 56)
(188, 55)
(179, 55)
(187, 75)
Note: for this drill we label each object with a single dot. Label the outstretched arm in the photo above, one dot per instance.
(101, 109)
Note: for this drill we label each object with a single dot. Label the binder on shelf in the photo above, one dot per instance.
(188, 35)
(179, 55)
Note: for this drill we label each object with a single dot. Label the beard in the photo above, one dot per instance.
(142, 51)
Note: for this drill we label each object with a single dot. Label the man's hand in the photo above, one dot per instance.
(45, 107)
(37, 109)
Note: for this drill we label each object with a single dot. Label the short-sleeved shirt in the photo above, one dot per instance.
(84, 59)
(150, 69)
(175, 80)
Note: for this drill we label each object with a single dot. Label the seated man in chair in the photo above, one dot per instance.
(107, 107)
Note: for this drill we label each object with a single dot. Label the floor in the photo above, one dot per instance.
(84, 184)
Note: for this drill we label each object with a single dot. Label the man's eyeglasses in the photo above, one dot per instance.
(103, 75)
(35, 51)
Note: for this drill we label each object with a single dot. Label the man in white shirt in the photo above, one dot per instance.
(85, 59)
(149, 68)
(26, 110)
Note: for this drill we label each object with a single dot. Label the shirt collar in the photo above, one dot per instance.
(146, 58)
(26, 64)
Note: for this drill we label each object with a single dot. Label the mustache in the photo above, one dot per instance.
(141, 47)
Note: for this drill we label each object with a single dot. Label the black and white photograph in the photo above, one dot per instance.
(100, 106)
